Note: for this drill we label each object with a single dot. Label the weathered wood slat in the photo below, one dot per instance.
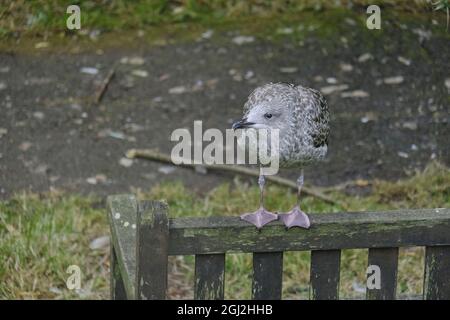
(116, 282)
(328, 231)
(209, 276)
(387, 260)
(325, 274)
(437, 273)
(152, 250)
(267, 275)
(122, 212)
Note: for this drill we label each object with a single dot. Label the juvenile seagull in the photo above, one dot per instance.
(302, 117)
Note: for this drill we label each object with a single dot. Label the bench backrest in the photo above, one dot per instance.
(143, 237)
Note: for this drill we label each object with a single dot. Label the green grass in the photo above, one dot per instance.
(40, 236)
(41, 17)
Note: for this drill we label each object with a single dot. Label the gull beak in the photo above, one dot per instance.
(242, 124)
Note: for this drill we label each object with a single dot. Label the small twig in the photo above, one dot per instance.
(102, 89)
(150, 154)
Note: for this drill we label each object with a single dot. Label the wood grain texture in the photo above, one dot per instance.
(209, 276)
(117, 286)
(437, 273)
(267, 275)
(387, 260)
(151, 250)
(325, 274)
(327, 232)
(122, 213)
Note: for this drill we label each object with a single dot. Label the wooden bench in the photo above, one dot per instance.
(143, 237)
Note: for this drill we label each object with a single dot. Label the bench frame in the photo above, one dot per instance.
(143, 237)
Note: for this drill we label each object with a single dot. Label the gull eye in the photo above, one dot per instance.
(268, 115)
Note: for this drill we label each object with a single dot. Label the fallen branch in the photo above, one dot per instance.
(102, 89)
(150, 154)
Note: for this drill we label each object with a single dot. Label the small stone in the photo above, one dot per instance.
(39, 115)
(166, 169)
(207, 34)
(55, 290)
(318, 78)
(402, 154)
(91, 180)
(345, 67)
(140, 73)
(414, 147)
(24, 146)
(361, 182)
(3, 132)
(288, 69)
(393, 80)
(355, 94)
(126, 224)
(201, 169)
(5, 69)
(89, 70)
(3, 85)
(117, 216)
(411, 125)
(358, 287)
(331, 89)
(136, 61)
(133, 127)
(365, 57)
(101, 178)
(41, 169)
(110, 133)
(331, 80)
(211, 83)
(423, 34)
(249, 74)
(133, 226)
(369, 116)
(403, 60)
(447, 83)
(164, 76)
(285, 31)
(178, 90)
(99, 243)
(125, 162)
(37, 81)
(240, 40)
(350, 21)
(42, 45)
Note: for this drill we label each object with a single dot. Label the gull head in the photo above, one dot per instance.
(272, 114)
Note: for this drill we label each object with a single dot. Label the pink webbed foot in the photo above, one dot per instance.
(295, 218)
(260, 217)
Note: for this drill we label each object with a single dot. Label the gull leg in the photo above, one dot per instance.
(296, 217)
(260, 217)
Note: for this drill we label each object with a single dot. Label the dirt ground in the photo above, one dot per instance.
(388, 96)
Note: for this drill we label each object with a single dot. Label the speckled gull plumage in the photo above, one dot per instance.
(304, 133)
